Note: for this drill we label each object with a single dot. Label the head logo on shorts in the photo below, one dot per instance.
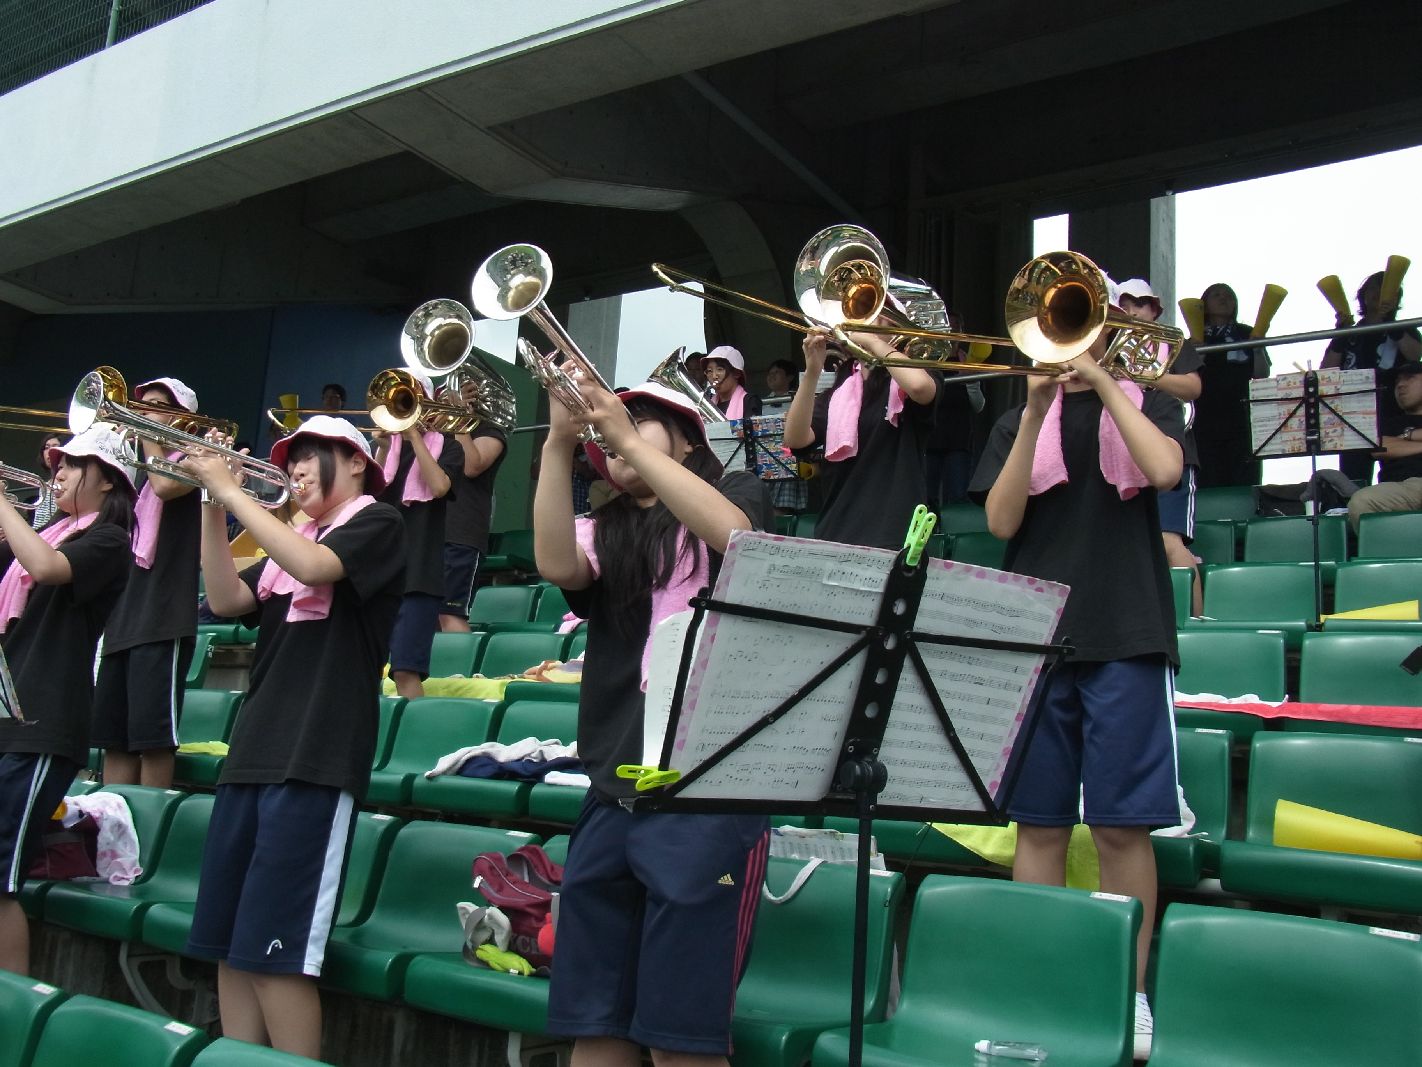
(725, 879)
(275, 946)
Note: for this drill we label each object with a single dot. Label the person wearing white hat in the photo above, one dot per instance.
(726, 375)
(655, 909)
(325, 597)
(422, 469)
(57, 587)
(148, 643)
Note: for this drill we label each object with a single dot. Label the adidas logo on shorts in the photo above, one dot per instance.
(725, 879)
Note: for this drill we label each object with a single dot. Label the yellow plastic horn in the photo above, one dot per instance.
(1300, 826)
(1332, 290)
(1392, 279)
(1192, 310)
(978, 351)
(290, 401)
(1268, 306)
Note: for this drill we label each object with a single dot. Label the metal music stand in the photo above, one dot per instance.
(890, 643)
(1310, 423)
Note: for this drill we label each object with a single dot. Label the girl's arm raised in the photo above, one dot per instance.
(555, 546)
(47, 566)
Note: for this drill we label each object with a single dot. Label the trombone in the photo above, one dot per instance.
(23, 479)
(1056, 308)
(102, 396)
(511, 284)
(57, 427)
(396, 401)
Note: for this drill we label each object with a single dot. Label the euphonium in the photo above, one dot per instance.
(102, 396)
(438, 340)
(671, 372)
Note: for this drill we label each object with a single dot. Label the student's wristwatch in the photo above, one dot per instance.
(1407, 434)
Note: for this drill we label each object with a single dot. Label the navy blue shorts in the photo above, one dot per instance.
(138, 697)
(31, 788)
(1177, 507)
(1103, 752)
(413, 633)
(271, 876)
(461, 571)
(654, 926)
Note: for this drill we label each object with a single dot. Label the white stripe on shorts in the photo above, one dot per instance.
(12, 877)
(327, 893)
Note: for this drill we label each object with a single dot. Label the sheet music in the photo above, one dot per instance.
(1352, 422)
(745, 667)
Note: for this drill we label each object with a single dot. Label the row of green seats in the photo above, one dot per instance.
(46, 1027)
(501, 652)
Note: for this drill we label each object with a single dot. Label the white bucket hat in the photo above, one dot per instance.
(331, 428)
(100, 441)
(181, 394)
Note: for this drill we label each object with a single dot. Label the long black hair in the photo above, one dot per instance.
(639, 549)
(116, 506)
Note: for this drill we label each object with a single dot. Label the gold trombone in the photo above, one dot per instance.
(102, 396)
(58, 425)
(1056, 308)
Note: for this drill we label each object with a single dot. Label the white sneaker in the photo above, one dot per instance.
(1145, 1027)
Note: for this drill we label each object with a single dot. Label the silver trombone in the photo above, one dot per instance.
(102, 396)
(512, 284)
(23, 479)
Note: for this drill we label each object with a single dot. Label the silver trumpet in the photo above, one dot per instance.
(102, 396)
(512, 284)
(23, 479)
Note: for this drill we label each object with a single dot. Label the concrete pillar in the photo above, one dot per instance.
(594, 325)
(1131, 239)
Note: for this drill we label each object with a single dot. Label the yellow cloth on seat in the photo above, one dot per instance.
(1401, 611)
(204, 748)
(469, 688)
(998, 844)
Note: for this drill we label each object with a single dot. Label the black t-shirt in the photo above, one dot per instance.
(50, 647)
(466, 519)
(952, 429)
(1223, 407)
(1081, 533)
(160, 603)
(424, 519)
(312, 705)
(1367, 351)
(611, 703)
(1187, 362)
(1399, 470)
(869, 498)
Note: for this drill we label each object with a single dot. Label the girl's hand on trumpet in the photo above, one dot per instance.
(563, 425)
(605, 413)
(216, 471)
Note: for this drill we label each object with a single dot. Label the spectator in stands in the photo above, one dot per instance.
(45, 510)
(1399, 485)
(1221, 430)
(873, 425)
(696, 368)
(326, 596)
(790, 496)
(467, 517)
(1177, 506)
(1070, 479)
(1382, 352)
(57, 587)
(656, 909)
(149, 640)
(333, 397)
(420, 467)
(781, 381)
(726, 374)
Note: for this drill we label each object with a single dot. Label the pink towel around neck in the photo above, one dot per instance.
(1117, 466)
(415, 489)
(686, 581)
(308, 602)
(16, 584)
(736, 406)
(148, 513)
(842, 424)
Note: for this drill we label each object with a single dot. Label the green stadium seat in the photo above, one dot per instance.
(970, 973)
(962, 518)
(1290, 540)
(908, 842)
(202, 656)
(170, 876)
(88, 1030)
(1181, 581)
(390, 710)
(1356, 668)
(528, 689)
(1232, 664)
(1366, 583)
(805, 524)
(1259, 596)
(429, 728)
(511, 550)
(428, 873)
(552, 605)
(1215, 541)
(228, 1052)
(503, 798)
(785, 525)
(1390, 535)
(507, 653)
(221, 633)
(1204, 776)
(1233, 502)
(502, 603)
(25, 1005)
(980, 548)
(208, 715)
(1242, 987)
(1371, 778)
(456, 654)
(795, 984)
(577, 645)
(556, 848)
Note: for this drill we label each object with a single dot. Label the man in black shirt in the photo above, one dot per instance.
(467, 517)
(1399, 485)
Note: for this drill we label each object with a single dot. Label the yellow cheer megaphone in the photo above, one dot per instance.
(1300, 826)
(1268, 306)
(1332, 290)
(1192, 309)
(1392, 278)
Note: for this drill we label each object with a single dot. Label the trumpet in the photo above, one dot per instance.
(102, 396)
(25, 480)
(511, 284)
